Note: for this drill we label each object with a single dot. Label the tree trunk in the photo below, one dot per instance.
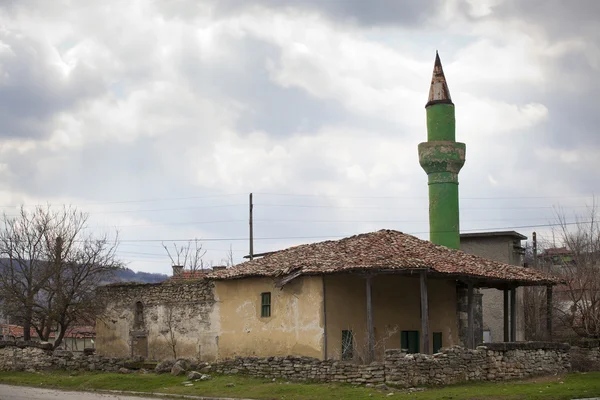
(47, 331)
(62, 329)
(27, 321)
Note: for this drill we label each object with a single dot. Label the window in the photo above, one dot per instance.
(265, 304)
(409, 341)
(487, 336)
(437, 342)
(138, 316)
(347, 345)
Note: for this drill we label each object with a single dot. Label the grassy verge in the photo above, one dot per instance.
(566, 387)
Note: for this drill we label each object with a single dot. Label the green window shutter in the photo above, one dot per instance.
(265, 304)
(409, 341)
(413, 342)
(347, 345)
(437, 342)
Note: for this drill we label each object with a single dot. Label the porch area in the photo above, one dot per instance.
(417, 311)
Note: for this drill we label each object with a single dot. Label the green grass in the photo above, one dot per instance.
(566, 387)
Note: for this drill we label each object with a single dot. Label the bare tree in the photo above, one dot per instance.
(190, 255)
(228, 260)
(25, 269)
(576, 309)
(169, 330)
(580, 299)
(52, 268)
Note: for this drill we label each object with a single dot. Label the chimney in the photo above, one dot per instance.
(177, 270)
(219, 267)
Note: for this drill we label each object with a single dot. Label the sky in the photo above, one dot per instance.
(159, 117)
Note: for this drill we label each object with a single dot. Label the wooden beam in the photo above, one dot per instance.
(549, 312)
(288, 278)
(506, 326)
(370, 326)
(513, 314)
(470, 317)
(324, 319)
(424, 314)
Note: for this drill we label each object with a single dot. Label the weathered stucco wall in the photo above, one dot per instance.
(183, 314)
(396, 308)
(497, 248)
(295, 326)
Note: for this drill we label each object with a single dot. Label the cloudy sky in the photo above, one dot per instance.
(158, 117)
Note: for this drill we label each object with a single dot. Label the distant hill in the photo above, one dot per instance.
(122, 275)
(127, 275)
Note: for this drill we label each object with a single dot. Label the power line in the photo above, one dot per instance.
(272, 220)
(150, 200)
(405, 208)
(420, 197)
(342, 236)
(130, 201)
(171, 209)
(166, 224)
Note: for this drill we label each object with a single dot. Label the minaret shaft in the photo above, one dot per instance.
(442, 158)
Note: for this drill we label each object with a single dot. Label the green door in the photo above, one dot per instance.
(437, 342)
(409, 341)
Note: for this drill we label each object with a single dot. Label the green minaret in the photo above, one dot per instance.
(442, 158)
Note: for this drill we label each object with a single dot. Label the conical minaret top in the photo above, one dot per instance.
(438, 91)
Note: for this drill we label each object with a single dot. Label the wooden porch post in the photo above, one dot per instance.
(470, 317)
(513, 314)
(549, 311)
(506, 337)
(370, 326)
(424, 314)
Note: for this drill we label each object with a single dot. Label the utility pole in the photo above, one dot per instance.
(533, 292)
(251, 230)
(534, 250)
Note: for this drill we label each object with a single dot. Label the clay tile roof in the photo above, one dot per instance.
(382, 250)
(189, 275)
(74, 332)
(556, 251)
(12, 330)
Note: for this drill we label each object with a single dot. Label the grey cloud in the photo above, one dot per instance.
(367, 13)
(557, 18)
(374, 12)
(277, 110)
(33, 90)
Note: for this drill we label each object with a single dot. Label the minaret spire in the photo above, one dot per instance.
(442, 158)
(438, 91)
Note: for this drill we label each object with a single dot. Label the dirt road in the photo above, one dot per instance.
(26, 393)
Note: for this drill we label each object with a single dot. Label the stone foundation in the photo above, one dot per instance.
(302, 369)
(31, 356)
(491, 362)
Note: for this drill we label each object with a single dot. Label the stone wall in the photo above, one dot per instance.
(492, 362)
(146, 320)
(302, 369)
(585, 355)
(15, 356)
